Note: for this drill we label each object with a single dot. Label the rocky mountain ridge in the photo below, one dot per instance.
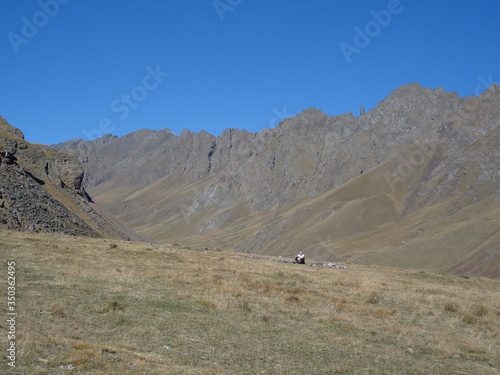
(340, 187)
(42, 190)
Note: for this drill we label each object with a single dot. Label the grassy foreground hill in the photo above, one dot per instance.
(95, 306)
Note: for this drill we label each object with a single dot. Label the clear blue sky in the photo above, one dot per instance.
(75, 69)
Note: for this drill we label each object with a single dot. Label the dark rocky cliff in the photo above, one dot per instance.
(42, 190)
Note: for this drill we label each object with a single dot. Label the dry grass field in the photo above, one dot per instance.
(93, 306)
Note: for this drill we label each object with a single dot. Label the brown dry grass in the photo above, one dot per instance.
(136, 308)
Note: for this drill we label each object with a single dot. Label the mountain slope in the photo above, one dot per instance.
(41, 190)
(413, 183)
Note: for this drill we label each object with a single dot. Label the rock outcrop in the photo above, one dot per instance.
(42, 190)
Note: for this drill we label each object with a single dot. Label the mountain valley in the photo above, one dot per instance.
(412, 183)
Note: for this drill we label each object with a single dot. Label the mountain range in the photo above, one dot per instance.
(412, 183)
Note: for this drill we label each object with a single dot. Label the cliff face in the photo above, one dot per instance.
(42, 190)
(411, 177)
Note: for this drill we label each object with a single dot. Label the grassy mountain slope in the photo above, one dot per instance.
(95, 306)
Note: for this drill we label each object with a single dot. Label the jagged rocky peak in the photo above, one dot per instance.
(306, 117)
(414, 96)
(149, 134)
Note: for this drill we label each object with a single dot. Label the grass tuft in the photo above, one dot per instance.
(111, 306)
(451, 307)
(58, 311)
(374, 298)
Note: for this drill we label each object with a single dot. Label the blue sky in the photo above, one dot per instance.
(79, 69)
